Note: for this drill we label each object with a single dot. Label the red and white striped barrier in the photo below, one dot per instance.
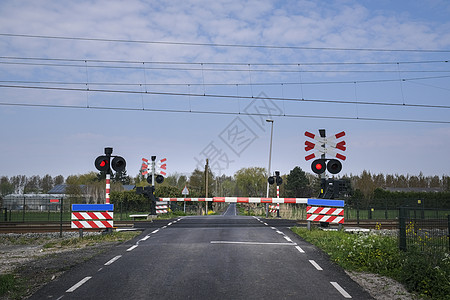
(325, 214)
(103, 215)
(274, 208)
(92, 224)
(161, 209)
(85, 216)
(241, 200)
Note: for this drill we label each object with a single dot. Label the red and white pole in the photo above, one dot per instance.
(278, 204)
(108, 186)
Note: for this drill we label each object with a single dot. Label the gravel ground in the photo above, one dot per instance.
(38, 265)
(35, 265)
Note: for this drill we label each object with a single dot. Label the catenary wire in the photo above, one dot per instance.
(222, 44)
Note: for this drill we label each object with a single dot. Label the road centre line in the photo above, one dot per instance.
(112, 260)
(80, 283)
(253, 243)
(315, 265)
(340, 290)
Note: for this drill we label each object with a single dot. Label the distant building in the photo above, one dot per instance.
(39, 202)
(46, 202)
(414, 189)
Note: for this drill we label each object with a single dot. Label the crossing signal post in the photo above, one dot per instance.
(324, 145)
(103, 163)
(153, 175)
(278, 180)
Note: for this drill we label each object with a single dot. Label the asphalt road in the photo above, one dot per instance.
(208, 257)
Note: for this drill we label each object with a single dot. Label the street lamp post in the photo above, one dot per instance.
(270, 160)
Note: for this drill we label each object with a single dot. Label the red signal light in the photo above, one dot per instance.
(318, 166)
(102, 163)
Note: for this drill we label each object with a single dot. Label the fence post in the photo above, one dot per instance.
(448, 230)
(402, 228)
(61, 216)
(23, 210)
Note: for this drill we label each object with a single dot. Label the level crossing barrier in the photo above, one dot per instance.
(92, 216)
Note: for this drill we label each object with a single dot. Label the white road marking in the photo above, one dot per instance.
(164, 227)
(145, 238)
(299, 249)
(315, 265)
(80, 283)
(287, 238)
(169, 224)
(132, 248)
(155, 231)
(113, 260)
(252, 243)
(266, 224)
(279, 232)
(341, 290)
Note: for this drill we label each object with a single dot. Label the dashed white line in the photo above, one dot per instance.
(299, 249)
(287, 238)
(252, 243)
(132, 248)
(315, 265)
(340, 290)
(155, 231)
(169, 224)
(266, 224)
(279, 232)
(112, 260)
(80, 283)
(145, 238)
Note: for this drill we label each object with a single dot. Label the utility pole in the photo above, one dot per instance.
(206, 186)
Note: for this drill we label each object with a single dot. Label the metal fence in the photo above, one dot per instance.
(424, 229)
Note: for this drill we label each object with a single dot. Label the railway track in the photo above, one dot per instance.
(42, 227)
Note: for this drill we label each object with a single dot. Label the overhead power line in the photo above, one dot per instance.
(205, 95)
(224, 113)
(221, 44)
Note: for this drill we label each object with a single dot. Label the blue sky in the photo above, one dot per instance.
(190, 80)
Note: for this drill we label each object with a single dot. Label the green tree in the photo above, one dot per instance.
(297, 184)
(6, 187)
(197, 182)
(251, 182)
(47, 183)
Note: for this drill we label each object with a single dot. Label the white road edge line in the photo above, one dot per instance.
(315, 265)
(132, 248)
(252, 243)
(80, 283)
(299, 249)
(112, 260)
(340, 290)
(145, 238)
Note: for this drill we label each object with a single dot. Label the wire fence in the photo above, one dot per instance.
(424, 229)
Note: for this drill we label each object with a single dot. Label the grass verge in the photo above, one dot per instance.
(426, 274)
(27, 278)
